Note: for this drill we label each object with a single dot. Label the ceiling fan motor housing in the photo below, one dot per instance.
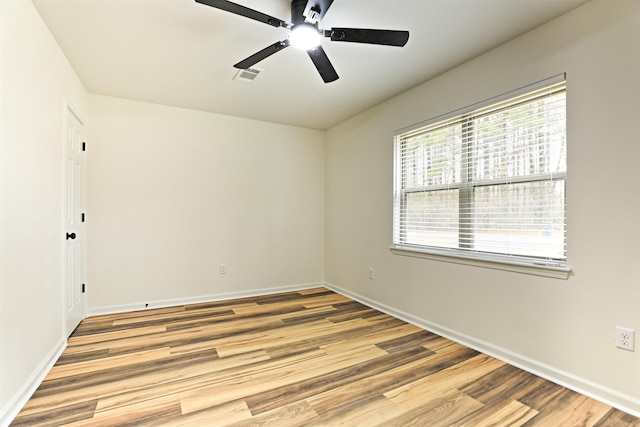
(297, 11)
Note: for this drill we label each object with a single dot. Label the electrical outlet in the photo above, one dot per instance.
(223, 268)
(625, 338)
(372, 273)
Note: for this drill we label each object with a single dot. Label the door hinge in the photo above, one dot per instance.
(83, 288)
(84, 146)
(82, 217)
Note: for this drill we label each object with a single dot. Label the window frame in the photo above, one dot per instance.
(462, 253)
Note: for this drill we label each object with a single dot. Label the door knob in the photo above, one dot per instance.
(71, 236)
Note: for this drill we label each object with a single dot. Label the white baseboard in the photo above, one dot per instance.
(606, 395)
(124, 308)
(13, 407)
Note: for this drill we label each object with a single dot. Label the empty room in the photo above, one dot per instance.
(431, 217)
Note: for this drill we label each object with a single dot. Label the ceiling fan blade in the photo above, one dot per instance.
(244, 11)
(362, 35)
(316, 9)
(322, 63)
(264, 53)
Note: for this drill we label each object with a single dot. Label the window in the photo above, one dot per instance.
(487, 182)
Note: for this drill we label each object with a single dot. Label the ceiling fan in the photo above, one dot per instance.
(305, 34)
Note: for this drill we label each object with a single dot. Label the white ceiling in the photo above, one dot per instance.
(181, 53)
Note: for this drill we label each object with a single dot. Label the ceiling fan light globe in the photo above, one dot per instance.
(305, 36)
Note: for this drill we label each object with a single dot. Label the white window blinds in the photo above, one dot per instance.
(488, 181)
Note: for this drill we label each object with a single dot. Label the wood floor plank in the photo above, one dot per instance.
(99, 340)
(53, 417)
(68, 358)
(458, 375)
(149, 416)
(505, 413)
(59, 393)
(358, 313)
(379, 383)
(440, 344)
(545, 395)
(98, 364)
(311, 291)
(287, 297)
(293, 415)
(577, 410)
(307, 358)
(310, 301)
(618, 419)
(406, 342)
(153, 411)
(282, 336)
(368, 411)
(505, 383)
(219, 416)
(181, 380)
(185, 384)
(182, 317)
(90, 324)
(132, 344)
(250, 383)
(332, 381)
(444, 410)
(372, 338)
(339, 334)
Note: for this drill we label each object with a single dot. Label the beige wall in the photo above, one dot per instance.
(563, 329)
(35, 81)
(173, 193)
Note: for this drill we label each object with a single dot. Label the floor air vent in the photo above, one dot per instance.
(247, 76)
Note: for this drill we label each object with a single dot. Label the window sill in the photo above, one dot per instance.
(536, 270)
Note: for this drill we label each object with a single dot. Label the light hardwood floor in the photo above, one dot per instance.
(308, 358)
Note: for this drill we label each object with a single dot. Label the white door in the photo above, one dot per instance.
(73, 227)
